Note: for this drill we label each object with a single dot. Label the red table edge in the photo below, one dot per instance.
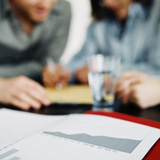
(154, 152)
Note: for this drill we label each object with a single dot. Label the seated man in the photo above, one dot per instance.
(140, 89)
(30, 31)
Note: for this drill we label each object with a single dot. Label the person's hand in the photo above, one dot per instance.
(146, 93)
(23, 93)
(58, 78)
(82, 75)
(127, 80)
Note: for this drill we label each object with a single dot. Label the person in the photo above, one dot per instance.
(55, 76)
(140, 89)
(23, 93)
(30, 31)
(129, 28)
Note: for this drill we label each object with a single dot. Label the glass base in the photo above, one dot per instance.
(103, 106)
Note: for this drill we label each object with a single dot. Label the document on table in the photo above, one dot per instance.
(85, 137)
(79, 94)
(15, 125)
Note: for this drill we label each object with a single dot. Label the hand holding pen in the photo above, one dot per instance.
(55, 75)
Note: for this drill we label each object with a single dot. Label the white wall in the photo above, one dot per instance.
(79, 23)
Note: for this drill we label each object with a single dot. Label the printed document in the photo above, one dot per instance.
(88, 137)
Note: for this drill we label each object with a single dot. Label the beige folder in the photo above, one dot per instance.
(79, 94)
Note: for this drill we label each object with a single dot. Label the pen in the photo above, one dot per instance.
(52, 68)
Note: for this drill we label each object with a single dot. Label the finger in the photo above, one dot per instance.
(29, 100)
(134, 81)
(48, 83)
(49, 77)
(65, 78)
(119, 87)
(59, 85)
(133, 97)
(38, 93)
(64, 81)
(20, 104)
(127, 85)
(123, 87)
(38, 97)
(34, 85)
(124, 97)
(83, 79)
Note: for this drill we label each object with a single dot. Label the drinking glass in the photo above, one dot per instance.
(102, 79)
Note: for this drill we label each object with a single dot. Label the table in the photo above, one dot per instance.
(130, 109)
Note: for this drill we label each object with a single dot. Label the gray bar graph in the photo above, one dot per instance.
(4, 155)
(118, 144)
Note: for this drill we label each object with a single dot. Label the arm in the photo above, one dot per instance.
(23, 93)
(79, 60)
(150, 62)
(55, 50)
(151, 67)
(145, 93)
(57, 46)
(52, 47)
(1, 8)
(90, 47)
(127, 80)
(31, 69)
(55, 76)
(140, 89)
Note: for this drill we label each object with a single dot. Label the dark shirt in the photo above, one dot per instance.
(23, 54)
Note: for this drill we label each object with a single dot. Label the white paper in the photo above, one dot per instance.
(86, 137)
(15, 125)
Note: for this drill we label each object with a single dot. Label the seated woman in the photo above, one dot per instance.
(129, 28)
(140, 89)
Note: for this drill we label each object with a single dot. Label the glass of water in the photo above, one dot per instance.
(102, 80)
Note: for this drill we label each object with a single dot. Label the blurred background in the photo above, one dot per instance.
(81, 11)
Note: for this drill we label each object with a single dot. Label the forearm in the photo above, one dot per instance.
(76, 62)
(142, 67)
(60, 35)
(32, 70)
(2, 80)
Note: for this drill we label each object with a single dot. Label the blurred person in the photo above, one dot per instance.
(140, 89)
(55, 77)
(31, 31)
(129, 28)
(22, 93)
